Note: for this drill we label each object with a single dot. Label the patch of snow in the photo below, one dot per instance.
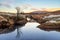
(50, 16)
(51, 21)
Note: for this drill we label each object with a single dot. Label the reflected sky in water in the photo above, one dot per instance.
(30, 32)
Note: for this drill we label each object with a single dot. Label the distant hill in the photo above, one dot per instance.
(34, 12)
(7, 13)
(46, 12)
(56, 12)
(39, 12)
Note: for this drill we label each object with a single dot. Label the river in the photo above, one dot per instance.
(30, 32)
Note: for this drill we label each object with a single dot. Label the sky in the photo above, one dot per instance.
(29, 5)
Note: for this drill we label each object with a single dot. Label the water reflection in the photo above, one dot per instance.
(49, 29)
(6, 30)
(16, 27)
(19, 32)
(29, 31)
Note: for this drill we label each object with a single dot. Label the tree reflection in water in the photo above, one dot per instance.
(7, 30)
(19, 33)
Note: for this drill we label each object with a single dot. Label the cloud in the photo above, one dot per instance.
(6, 3)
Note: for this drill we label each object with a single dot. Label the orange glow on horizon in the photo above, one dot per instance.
(52, 9)
(28, 11)
(46, 9)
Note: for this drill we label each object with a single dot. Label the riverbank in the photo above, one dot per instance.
(42, 18)
(49, 25)
(11, 21)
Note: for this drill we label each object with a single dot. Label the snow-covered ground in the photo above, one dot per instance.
(51, 21)
(50, 16)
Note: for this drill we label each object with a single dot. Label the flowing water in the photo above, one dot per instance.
(30, 32)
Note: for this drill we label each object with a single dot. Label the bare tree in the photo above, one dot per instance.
(18, 11)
